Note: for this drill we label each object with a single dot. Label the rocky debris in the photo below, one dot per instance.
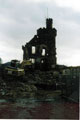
(32, 82)
(15, 89)
(26, 86)
(41, 77)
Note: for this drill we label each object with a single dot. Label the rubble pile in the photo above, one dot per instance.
(26, 86)
(15, 89)
(41, 77)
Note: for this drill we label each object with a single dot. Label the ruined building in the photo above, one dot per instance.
(41, 49)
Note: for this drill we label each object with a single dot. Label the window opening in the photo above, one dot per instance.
(33, 49)
(33, 60)
(42, 61)
(43, 52)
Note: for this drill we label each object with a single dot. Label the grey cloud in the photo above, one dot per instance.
(24, 18)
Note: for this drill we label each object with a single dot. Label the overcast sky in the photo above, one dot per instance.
(19, 20)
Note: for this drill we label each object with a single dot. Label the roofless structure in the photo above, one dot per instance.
(41, 49)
